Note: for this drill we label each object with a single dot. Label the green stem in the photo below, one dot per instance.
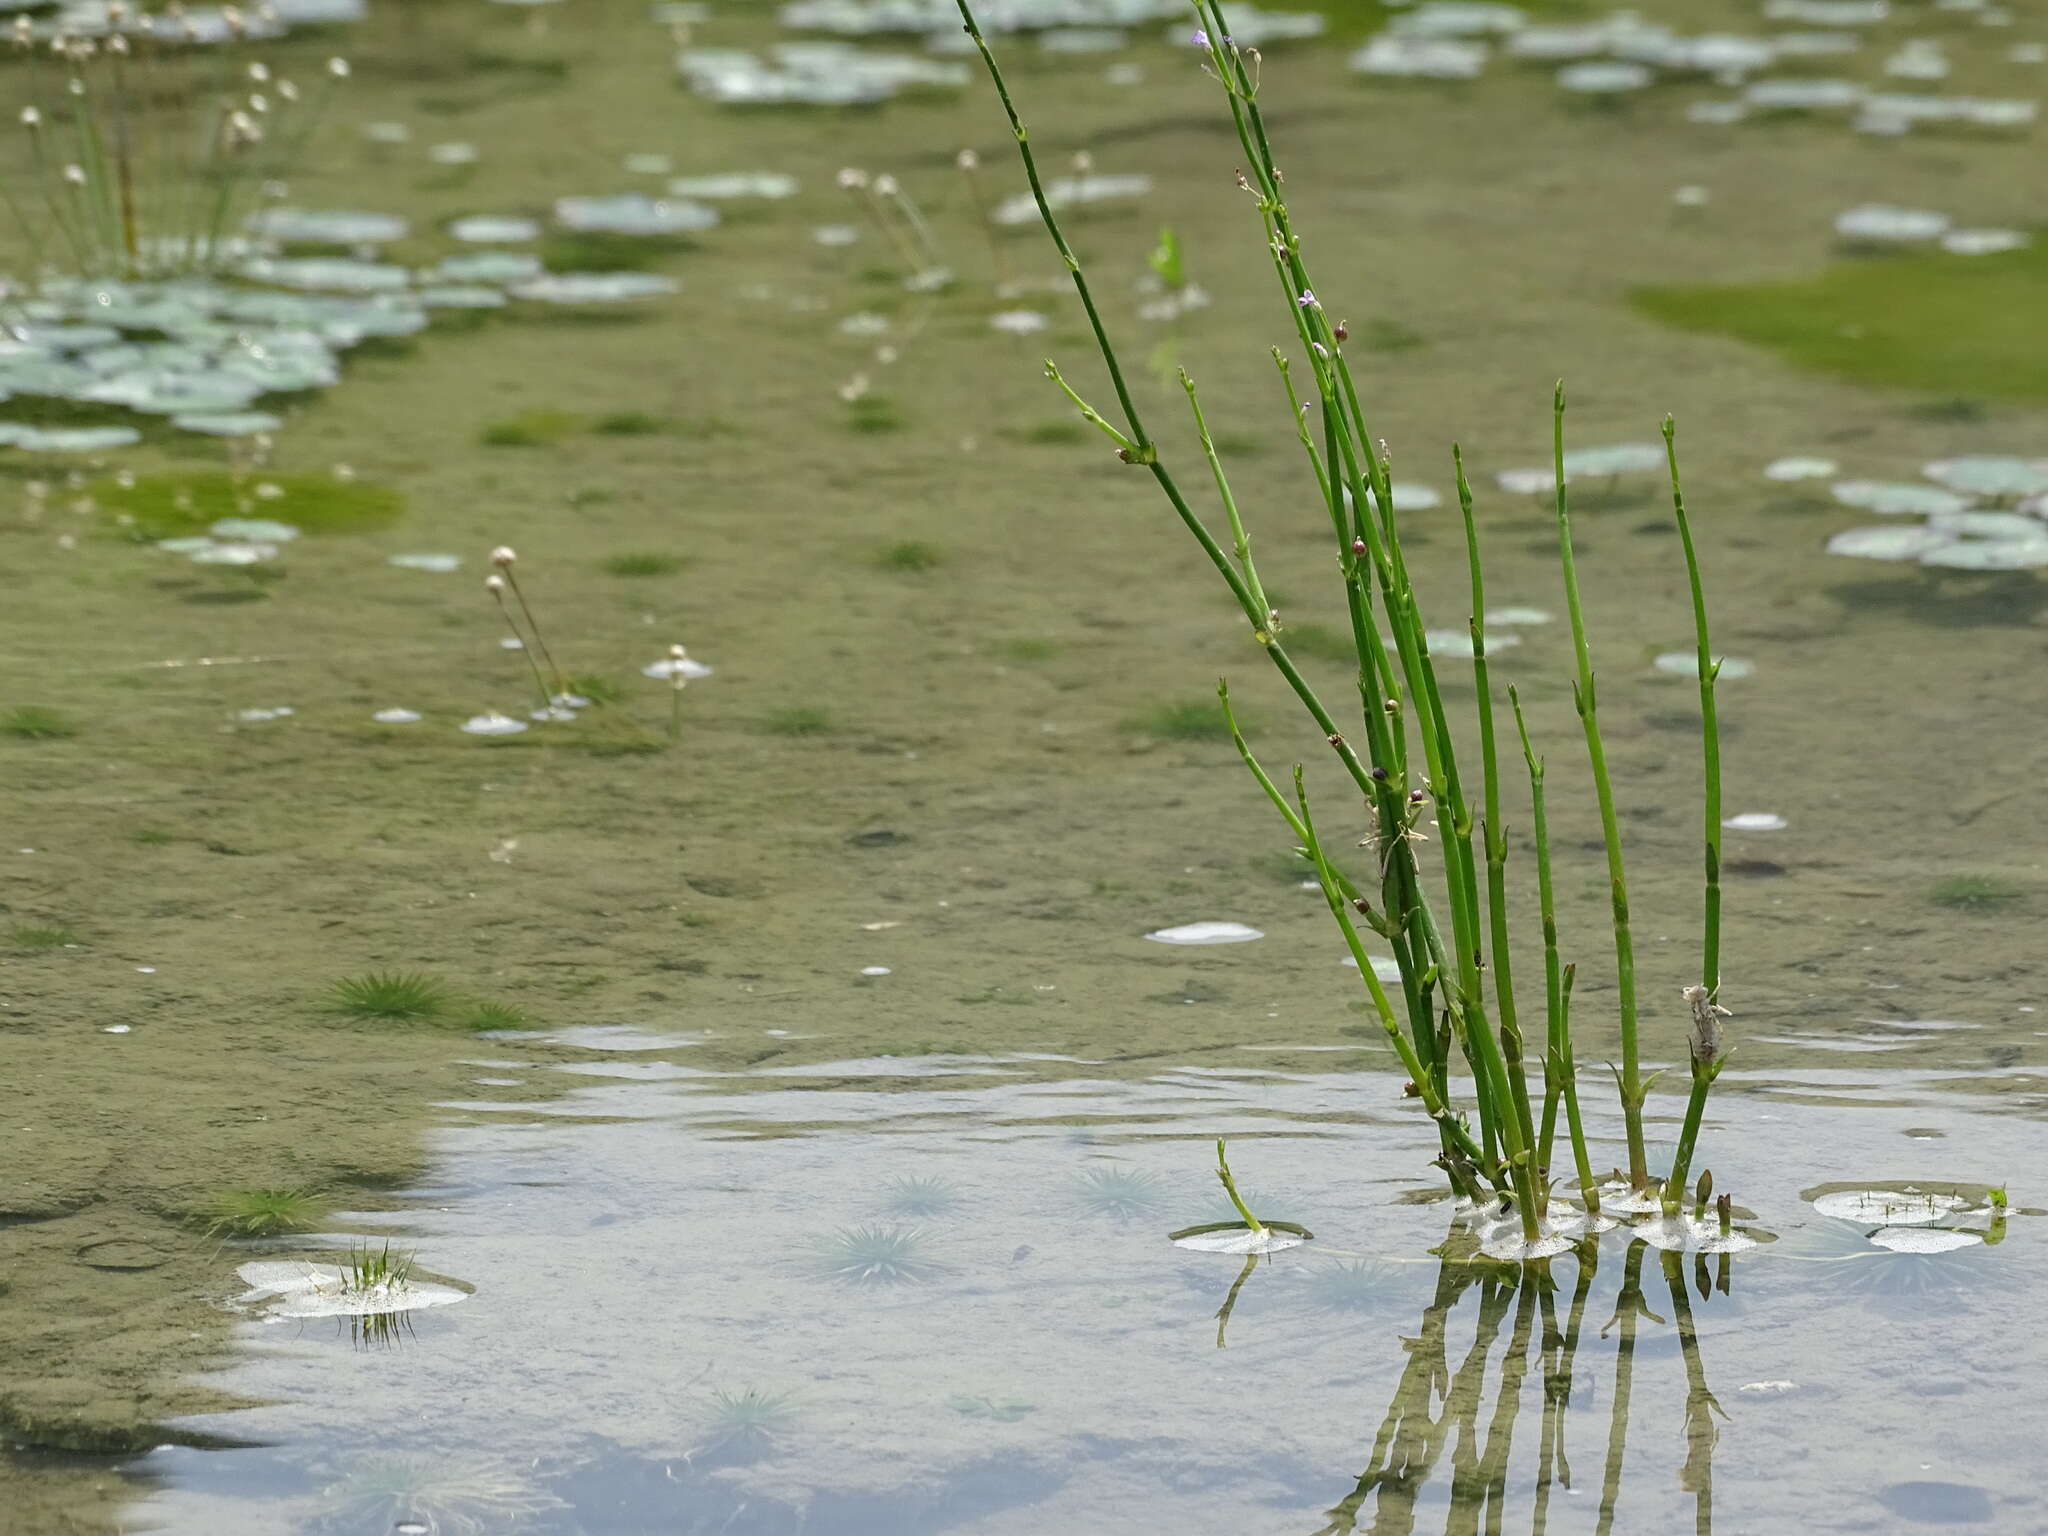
(1630, 1074)
(1230, 1189)
(1710, 730)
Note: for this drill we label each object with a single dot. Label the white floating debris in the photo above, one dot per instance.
(1526, 482)
(1898, 498)
(115, 1029)
(427, 562)
(1459, 18)
(1800, 469)
(228, 423)
(768, 184)
(835, 234)
(387, 133)
(71, 439)
(1509, 617)
(262, 530)
(1918, 58)
(1884, 224)
(1240, 1240)
(493, 724)
(1604, 77)
(456, 153)
(1206, 933)
(594, 287)
(1386, 967)
(1985, 242)
(864, 323)
(633, 213)
(1828, 13)
(396, 716)
(1019, 322)
(1070, 192)
(326, 226)
(1411, 497)
(668, 667)
(1687, 664)
(1990, 554)
(295, 1289)
(1768, 1388)
(233, 554)
(1392, 55)
(1755, 821)
(1889, 1207)
(1989, 474)
(1691, 196)
(1458, 642)
(1716, 112)
(874, 970)
(495, 229)
(1924, 1239)
(252, 716)
(648, 165)
(1799, 94)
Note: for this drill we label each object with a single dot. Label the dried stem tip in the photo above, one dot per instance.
(1705, 1037)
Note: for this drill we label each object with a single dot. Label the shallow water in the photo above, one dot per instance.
(1039, 1357)
(891, 890)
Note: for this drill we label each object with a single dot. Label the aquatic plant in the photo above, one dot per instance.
(489, 1015)
(432, 1492)
(1122, 1193)
(920, 1196)
(116, 191)
(871, 1255)
(1357, 1285)
(1974, 893)
(797, 720)
(1179, 720)
(404, 995)
(376, 1269)
(910, 555)
(557, 699)
(643, 563)
(41, 936)
(1402, 758)
(264, 1212)
(34, 722)
(745, 1421)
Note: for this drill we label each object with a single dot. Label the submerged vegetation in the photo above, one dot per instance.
(35, 722)
(872, 1255)
(265, 1212)
(1404, 759)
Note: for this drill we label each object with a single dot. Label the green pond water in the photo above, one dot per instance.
(955, 730)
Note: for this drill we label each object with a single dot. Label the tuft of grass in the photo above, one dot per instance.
(167, 506)
(643, 563)
(1057, 433)
(481, 1016)
(153, 837)
(867, 1255)
(1025, 648)
(630, 424)
(1321, 641)
(1936, 322)
(920, 1197)
(599, 690)
(1974, 893)
(529, 429)
(38, 938)
(370, 1269)
(264, 1212)
(1180, 720)
(1121, 1193)
(32, 722)
(874, 413)
(912, 555)
(798, 720)
(746, 1421)
(390, 995)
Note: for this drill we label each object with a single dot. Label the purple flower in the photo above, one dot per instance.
(1201, 38)
(1307, 299)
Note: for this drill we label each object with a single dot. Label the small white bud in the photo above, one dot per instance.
(852, 178)
(338, 68)
(75, 174)
(31, 118)
(676, 653)
(494, 583)
(503, 555)
(967, 160)
(885, 185)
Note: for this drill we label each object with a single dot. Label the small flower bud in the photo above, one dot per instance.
(494, 583)
(503, 556)
(1380, 774)
(1416, 797)
(967, 160)
(1358, 546)
(676, 653)
(338, 68)
(852, 178)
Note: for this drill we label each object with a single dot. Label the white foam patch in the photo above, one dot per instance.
(1205, 933)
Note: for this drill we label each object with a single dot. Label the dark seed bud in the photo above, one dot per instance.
(1358, 546)
(1380, 774)
(1361, 903)
(1415, 797)
(1125, 455)
(1342, 332)
(1336, 740)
